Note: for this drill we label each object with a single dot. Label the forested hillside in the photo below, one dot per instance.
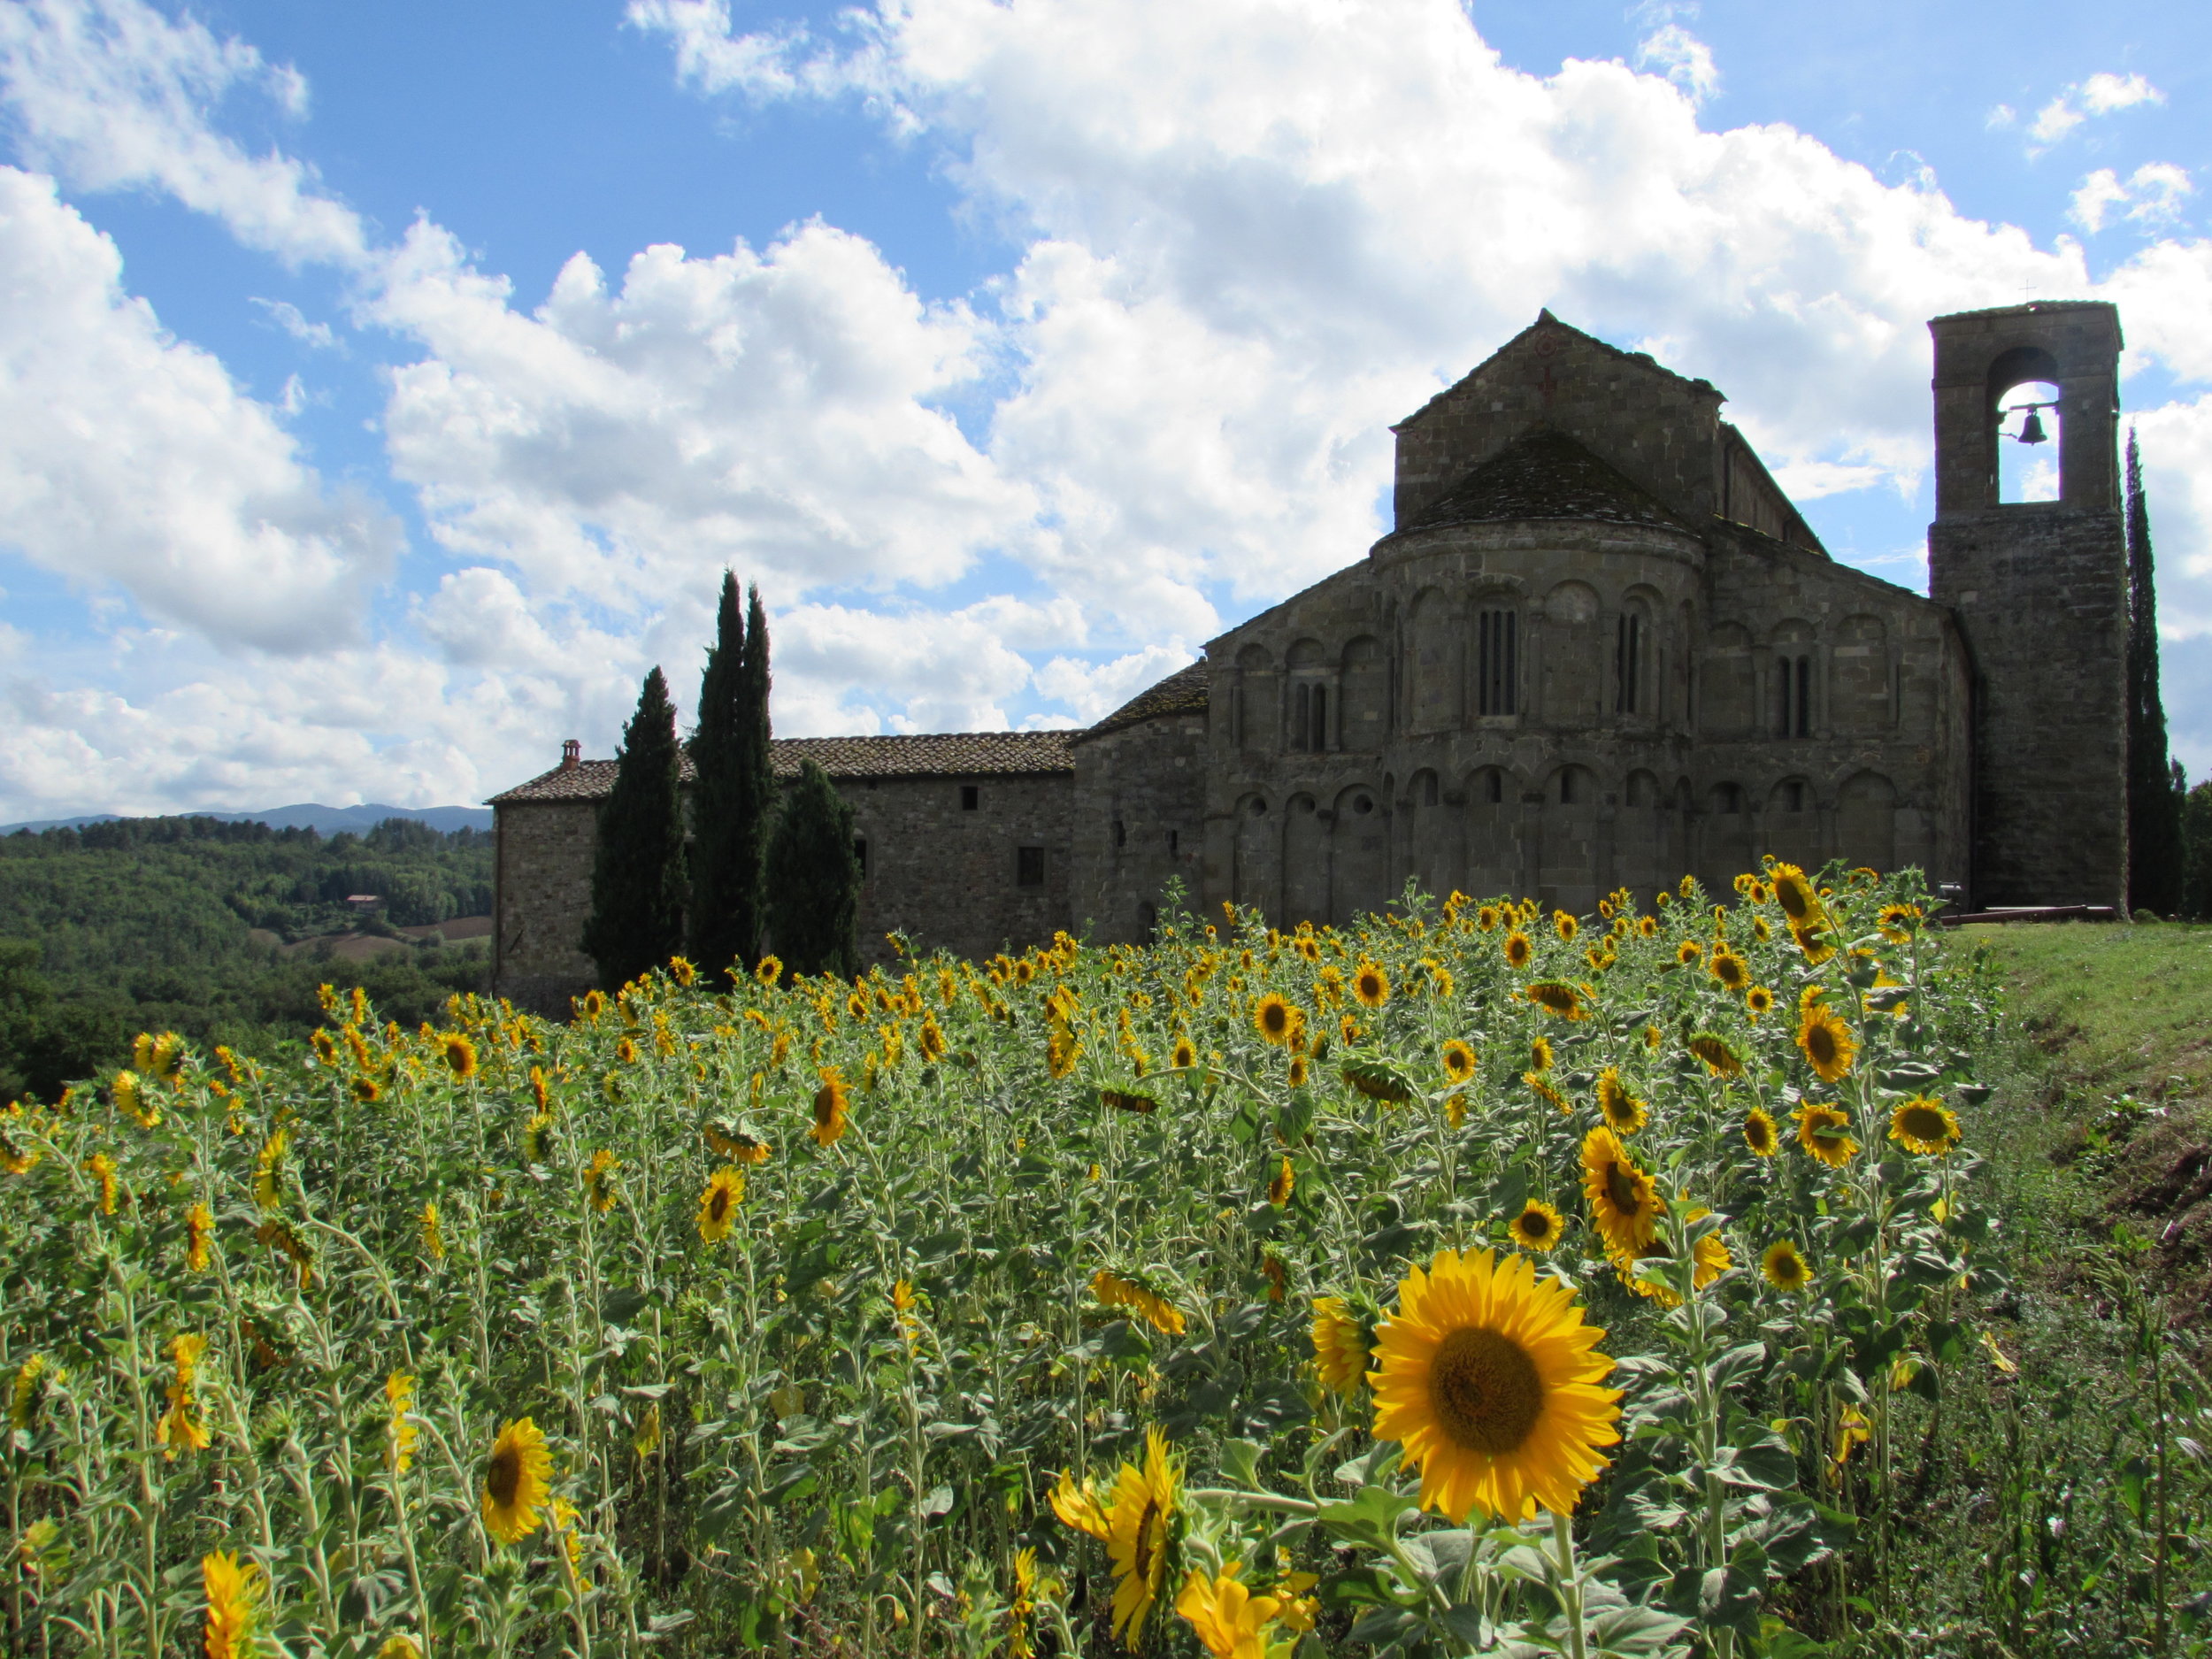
(221, 932)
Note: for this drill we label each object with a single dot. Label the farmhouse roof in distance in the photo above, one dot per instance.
(933, 754)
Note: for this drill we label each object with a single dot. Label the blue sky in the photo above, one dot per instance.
(385, 388)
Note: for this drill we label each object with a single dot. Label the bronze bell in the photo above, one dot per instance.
(2032, 428)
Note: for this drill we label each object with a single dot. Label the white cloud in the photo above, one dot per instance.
(2152, 196)
(113, 94)
(766, 410)
(1682, 58)
(289, 317)
(2102, 94)
(1095, 690)
(130, 458)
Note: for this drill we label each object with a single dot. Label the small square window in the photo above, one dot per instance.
(970, 797)
(1029, 866)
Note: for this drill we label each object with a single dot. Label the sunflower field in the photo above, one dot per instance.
(1476, 1280)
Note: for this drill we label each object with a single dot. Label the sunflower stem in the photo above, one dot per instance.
(1562, 1536)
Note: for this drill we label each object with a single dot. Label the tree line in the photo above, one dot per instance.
(761, 865)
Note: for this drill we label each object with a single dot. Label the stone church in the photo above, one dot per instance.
(1600, 648)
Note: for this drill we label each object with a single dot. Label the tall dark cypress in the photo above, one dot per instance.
(2155, 852)
(814, 879)
(637, 877)
(725, 886)
(755, 795)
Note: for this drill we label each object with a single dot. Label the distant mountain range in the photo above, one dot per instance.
(324, 820)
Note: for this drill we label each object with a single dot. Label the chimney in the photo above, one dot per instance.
(571, 754)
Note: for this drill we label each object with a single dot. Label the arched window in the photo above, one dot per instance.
(2023, 404)
(1629, 645)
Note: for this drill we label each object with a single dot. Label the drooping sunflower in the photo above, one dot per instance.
(1538, 1227)
(1925, 1126)
(401, 1435)
(1757, 1000)
(1517, 949)
(1143, 1528)
(1230, 1621)
(101, 1168)
(1826, 1043)
(1730, 968)
(459, 1055)
(1760, 1132)
(1370, 985)
(829, 1108)
(234, 1595)
(1540, 1087)
(1624, 1200)
(1539, 1055)
(1341, 1346)
(728, 1141)
(268, 1167)
(1622, 1112)
(1825, 1133)
(517, 1481)
(1284, 1184)
(718, 1204)
(1784, 1268)
(1122, 1290)
(199, 1230)
(1719, 1055)
(1273, 1016)
(1377, 1078)
(1459, 1060)
(130, 1094)
(1556, 996)
(1491, 1381)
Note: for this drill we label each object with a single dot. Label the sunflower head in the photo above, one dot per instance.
(830, 1103)
(1622, 1112)
(1283, 1184)
(718, 1204)
(1487, 918)
(1491, 1381)
(1794, 893)
(1624, 1200)
(1183, 1055)
(1127, 1290)
(1143, 1531)
(1730, 968)
(1647, 925)
(1377, 1079)
(1539, 1055)
(234, 1595)
(1812, 940)
(459, 1055)
(1760, 1133)
(1709, 1256)
(1826, 1043)
(1230, 1621)
(1925, 1126)
(1517, 949)
(1370, 985)
(1557, 996)
(1564, 925)
(1898, 922)
(1459, 1060)
(1784, 1268)
(517, 1481)
(1341, 1344)
(1825, 1133)
(1719, 1055)
(1538, 1227)
(1757, 1000)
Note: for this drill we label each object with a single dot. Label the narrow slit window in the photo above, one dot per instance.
(1628, 662)
(1497, 666)
(1320, 718)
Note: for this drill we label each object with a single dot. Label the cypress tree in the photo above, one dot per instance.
(814, 879)
(637, 876)
(2155, 875)
(732, 789)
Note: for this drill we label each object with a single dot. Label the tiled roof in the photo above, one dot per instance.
(1544, 474)
(1182, 692)
(936, 755)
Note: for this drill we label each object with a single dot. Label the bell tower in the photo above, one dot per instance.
(2039, 589)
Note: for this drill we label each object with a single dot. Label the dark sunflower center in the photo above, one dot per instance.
(1621, 1187)
(1922, 1124)
(1820, 1042)
(1758, 1133)
(718, 1206)
(1144, 1547)
(504, 1478)
(1535, 1225)
(1276, 1019)
(1484, 1390)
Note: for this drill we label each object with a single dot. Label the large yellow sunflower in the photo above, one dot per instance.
(1564, 925)
(1143, 1529)
(1795, 894)
(517, 1481)
(1925, 1126)
(1490, 1380)
(1341, 1346)
(1517, 949)
(1784, 1268)
(717, 1205)
(1274, 1017)
(1624, 1201)
(1757, 1000)
(1730, 968)
(1825, 1133)
(1826, 1043)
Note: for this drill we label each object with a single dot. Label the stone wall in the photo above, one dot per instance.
(541, 900)
(1139, 822)
(948, 875)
